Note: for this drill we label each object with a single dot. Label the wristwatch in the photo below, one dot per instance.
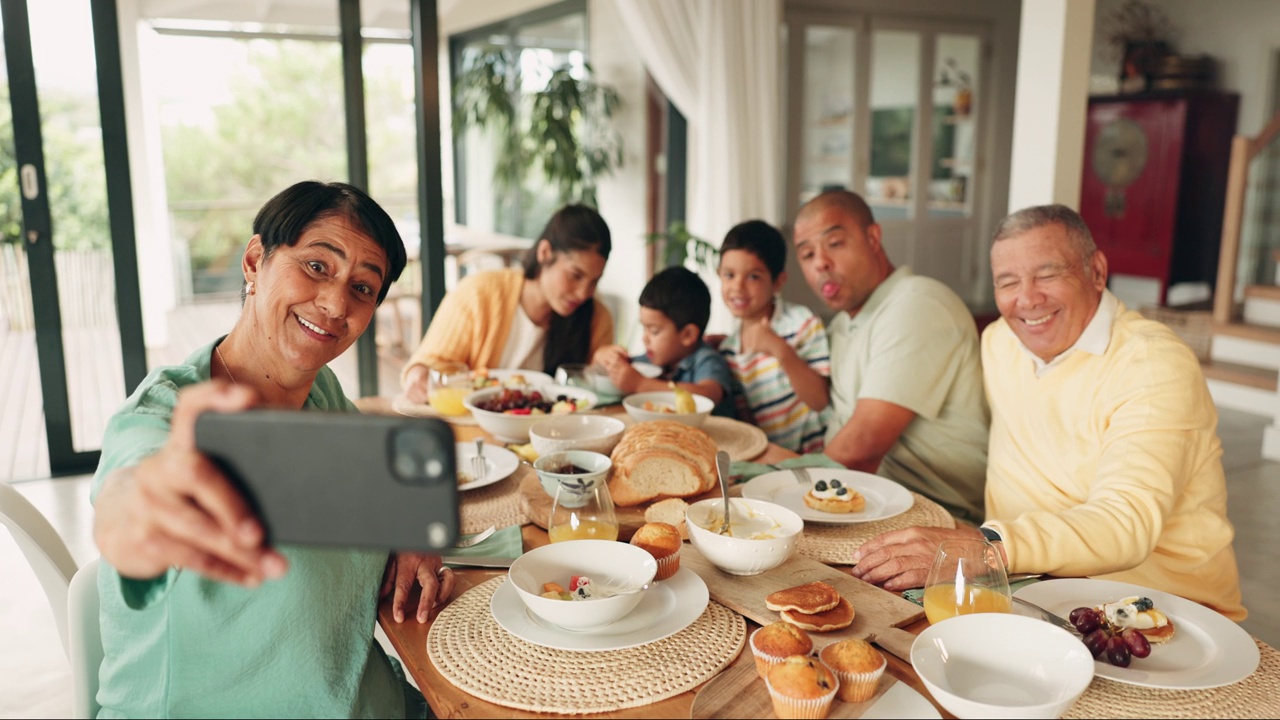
(990, 535)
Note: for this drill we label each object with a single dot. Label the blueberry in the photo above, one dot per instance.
(1143, 603)
(835, 484)
(842, 491)
(821, 486)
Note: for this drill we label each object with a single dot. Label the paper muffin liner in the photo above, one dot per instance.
(790, 708)
(764, 660)
(856, 686)
(667, 566)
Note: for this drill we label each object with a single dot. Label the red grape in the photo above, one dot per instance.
(1138, 644)
(1096, 641)
(1087, 621)
(1118, 651)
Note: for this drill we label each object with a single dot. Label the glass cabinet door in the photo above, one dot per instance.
(955, 94)
(895, 92)
(828, 112)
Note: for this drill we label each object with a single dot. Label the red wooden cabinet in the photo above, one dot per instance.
(1155, 176)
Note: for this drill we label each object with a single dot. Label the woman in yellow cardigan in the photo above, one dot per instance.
(536, 317)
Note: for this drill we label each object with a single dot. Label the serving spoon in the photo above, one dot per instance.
(722, 469)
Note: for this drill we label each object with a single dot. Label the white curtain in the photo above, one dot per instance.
(718, 62)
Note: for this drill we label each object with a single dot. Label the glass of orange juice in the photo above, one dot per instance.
(582, 508)
(447, 384)
(967, 576)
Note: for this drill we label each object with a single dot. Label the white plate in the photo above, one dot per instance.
(405, 406)
(667, 608)
(1207, 649)
(885, 498)
(499, 463)
(901, 701)
(531, 377)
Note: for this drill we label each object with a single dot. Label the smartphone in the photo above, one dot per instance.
(340, 479)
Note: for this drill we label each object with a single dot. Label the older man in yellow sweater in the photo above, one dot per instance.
(1104, 460)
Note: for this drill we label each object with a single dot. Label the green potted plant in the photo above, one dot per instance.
(677, 245)
(563, 128)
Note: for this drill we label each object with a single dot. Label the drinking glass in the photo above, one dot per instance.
(447, 384)
(582, 510)
(967, 576)
(573, 374)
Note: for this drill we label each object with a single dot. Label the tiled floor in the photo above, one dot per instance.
(34, 677)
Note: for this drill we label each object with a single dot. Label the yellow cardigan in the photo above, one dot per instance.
(473, 322)
(1110, 466)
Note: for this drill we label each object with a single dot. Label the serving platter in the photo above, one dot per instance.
(1206, 651)
(885, 498)
(668, 607)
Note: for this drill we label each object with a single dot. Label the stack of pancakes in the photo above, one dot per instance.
(815, 606)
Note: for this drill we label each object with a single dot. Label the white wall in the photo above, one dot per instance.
(1240, 34)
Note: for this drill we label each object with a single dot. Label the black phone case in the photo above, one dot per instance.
(340, 479)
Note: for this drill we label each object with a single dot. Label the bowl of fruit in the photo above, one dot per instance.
(1001, 665)
(676, 404)
(583, 584)
(507, 413)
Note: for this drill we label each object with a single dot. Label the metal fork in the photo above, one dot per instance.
(478, 465)
(802, 475)
(477, 538)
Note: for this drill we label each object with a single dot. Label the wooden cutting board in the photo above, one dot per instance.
(536, 504)
(738, 692)
(876, 612)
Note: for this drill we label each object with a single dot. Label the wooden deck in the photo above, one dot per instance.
(95, 377)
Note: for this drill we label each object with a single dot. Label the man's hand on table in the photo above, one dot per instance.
(403, 568)
(900, 560)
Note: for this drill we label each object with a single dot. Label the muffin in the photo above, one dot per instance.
(771, 644)
(662, 541)
(857, 666)
(801, 687)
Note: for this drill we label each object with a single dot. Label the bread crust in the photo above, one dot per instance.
(689, 449)
(811, 597)
(855, 503)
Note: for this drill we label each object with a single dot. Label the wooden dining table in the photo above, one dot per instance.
(409, 638)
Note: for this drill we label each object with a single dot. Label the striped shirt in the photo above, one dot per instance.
(771, 402)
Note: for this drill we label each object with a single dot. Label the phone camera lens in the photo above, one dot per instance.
(416, 457)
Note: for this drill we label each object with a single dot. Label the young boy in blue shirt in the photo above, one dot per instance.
(674, 309)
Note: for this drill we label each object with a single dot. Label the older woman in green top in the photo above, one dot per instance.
(199, 617)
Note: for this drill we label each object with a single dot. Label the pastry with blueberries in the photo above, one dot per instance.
(834, 496)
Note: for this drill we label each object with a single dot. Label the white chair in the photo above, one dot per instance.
(85, 640)
(72, 593)
(45, 551)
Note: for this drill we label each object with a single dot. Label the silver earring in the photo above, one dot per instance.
(248, 287)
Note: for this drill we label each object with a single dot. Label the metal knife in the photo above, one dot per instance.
(481, 562)
(1048, 616)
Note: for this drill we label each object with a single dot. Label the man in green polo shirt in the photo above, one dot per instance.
(906, 382)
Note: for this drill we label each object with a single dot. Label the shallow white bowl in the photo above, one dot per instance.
(1000, 665)
(744, 555)
(598, 433)
(608, 563)
(515, 428)
(596, 465)
(635, 407)
(599, 380)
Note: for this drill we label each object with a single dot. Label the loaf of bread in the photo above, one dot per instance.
(662, 459)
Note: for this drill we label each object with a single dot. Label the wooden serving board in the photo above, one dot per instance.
(876, 612)
(738, 692)
(537, 507)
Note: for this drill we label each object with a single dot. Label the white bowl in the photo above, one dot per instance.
(609, 564)
(598, 433)
(635, 407)
(596, 465)
(508, 427)
(766, 534)
(1000, 665)
(599, 380)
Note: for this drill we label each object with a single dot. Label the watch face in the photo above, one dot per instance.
(1119, 153)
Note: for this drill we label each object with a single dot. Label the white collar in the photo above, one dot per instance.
(1094, 340)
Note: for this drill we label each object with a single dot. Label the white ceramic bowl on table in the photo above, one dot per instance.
(611, 565)
(553, 468)
(1000, 665)
(511, 427)
(634, 405)
(599, 382)
(762, 534)
(598, 433)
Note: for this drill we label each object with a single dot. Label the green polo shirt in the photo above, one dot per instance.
(914, 344)
(181, 645)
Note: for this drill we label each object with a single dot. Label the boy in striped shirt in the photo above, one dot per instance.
(778, 350)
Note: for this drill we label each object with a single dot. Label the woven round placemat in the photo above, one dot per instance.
(471, 650)
(405, 406)
(497, 504)
(1257, 696)
(835, 544)
(741, 440)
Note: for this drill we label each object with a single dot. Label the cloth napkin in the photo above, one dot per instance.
(507, 542)
(742, 471)
(916, 595)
